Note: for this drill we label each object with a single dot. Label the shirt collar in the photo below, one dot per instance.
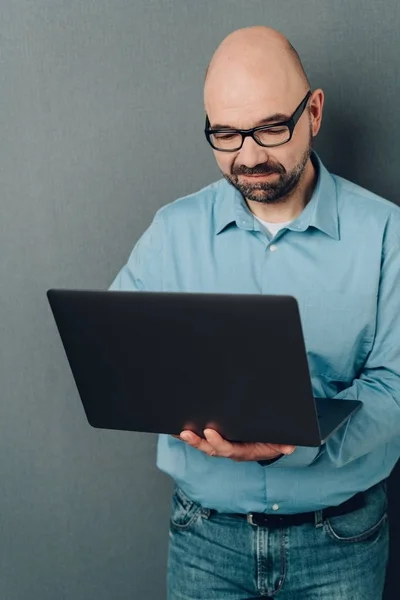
(321, 212)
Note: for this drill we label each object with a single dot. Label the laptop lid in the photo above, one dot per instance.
(163, 362)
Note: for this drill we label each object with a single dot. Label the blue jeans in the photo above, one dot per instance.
(214, 556)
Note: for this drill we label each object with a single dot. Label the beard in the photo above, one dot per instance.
(265, 192)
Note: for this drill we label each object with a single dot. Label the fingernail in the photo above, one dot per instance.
(186, 437)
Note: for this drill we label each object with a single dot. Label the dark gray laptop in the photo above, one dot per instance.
(164, 362)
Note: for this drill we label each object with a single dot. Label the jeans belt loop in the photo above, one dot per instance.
(250, 519)
(319, 519)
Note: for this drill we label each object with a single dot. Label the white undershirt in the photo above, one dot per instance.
(273, 228)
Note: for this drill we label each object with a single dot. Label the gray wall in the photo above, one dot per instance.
(101, 123)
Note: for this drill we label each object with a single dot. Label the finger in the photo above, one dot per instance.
(285, 449)
(216, 445)
(197, 442)
(221, 446)
(239, 451)
(245, 451)
(261, 451)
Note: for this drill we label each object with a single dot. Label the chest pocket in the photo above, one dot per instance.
(338, 330)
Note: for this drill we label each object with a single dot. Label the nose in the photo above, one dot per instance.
(251, 153)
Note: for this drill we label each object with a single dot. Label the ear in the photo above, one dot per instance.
(316, 104)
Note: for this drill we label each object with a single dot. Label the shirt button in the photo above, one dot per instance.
(275, 507)
(273, 248)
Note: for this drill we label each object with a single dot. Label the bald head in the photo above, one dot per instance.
(262, 118)
(254, 61)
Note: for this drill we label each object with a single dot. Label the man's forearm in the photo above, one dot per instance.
(376, 423)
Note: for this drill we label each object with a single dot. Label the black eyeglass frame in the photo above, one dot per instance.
(290, 124)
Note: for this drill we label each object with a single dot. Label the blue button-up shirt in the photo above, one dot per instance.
(341, 259)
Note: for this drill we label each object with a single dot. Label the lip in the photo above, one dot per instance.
(260, 176)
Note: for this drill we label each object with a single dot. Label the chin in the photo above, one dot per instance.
(262, 196)
(263, 200)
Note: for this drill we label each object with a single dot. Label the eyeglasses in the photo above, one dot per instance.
(269, 136)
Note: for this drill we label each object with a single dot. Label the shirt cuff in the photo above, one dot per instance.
(303, 456)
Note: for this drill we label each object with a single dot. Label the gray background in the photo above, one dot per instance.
(101, 123)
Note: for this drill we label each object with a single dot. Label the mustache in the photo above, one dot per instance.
(261, 169)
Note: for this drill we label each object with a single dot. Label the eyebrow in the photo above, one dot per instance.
(276, 118)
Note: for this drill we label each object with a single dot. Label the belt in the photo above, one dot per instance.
(274, 520)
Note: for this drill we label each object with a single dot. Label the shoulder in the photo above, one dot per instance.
(197, 204)
(181, 217)
(367, 212)
(353, 196)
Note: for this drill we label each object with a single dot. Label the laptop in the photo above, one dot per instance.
(162, 362)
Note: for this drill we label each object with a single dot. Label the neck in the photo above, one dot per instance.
(292, 205)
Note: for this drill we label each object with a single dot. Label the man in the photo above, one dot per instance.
(279, 223)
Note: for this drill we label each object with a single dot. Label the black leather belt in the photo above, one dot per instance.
(275, 520)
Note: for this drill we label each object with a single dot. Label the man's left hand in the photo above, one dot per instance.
(215, 445)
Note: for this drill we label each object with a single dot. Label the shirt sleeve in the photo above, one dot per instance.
(378, 385)
(143, 270)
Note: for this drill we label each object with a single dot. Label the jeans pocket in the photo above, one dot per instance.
(184, 512)
(361, 524)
